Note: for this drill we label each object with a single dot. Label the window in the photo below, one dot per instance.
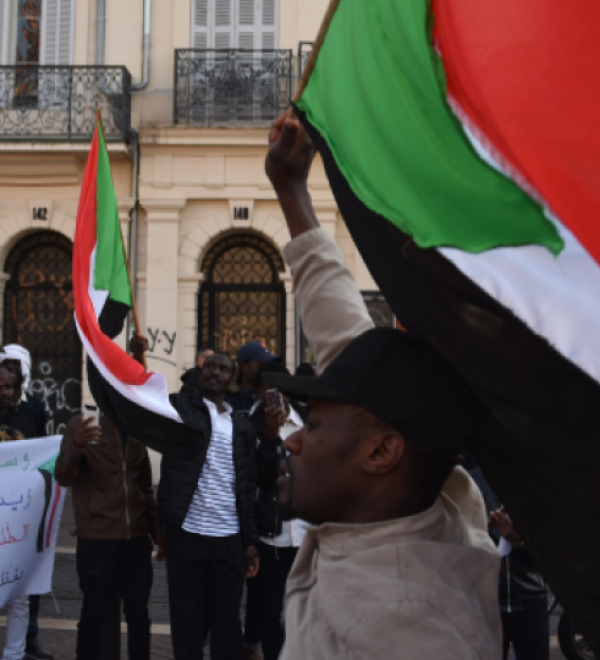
(242, 298)
(29, 29)
(37, 31)
(247, 24)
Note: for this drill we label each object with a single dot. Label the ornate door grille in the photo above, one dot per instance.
(38, 314)
(242, 298)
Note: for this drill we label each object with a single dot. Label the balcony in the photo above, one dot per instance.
(59, 103)
(231, 87)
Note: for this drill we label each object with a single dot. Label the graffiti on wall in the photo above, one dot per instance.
(161, 345)
(61, 398)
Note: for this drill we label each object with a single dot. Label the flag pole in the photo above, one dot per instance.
(312, 59)
(136, 323)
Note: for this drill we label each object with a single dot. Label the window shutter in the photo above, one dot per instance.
(57, 31)
(223, 24)
(246, 21)
(200, 25)
(65, 31)
(268, 23)
(4, 33)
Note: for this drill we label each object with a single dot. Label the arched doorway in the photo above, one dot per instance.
(242, 297)
(38, 314)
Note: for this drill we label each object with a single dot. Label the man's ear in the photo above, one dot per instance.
(385, 451)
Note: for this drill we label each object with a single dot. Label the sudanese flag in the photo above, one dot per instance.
(136, 400)
(462, 145)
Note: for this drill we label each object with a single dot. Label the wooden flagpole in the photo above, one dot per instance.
(136, 322)
(312, 59)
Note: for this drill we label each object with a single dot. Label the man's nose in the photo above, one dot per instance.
(293, 443)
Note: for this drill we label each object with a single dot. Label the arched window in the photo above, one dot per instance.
(38, 314)
(242, 298)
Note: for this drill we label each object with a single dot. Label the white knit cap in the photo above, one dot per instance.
(16, 352)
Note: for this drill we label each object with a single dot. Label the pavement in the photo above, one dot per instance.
(59, 612)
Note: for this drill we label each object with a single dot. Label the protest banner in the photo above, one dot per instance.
(31, 503)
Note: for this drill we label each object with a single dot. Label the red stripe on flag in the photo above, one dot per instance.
(119, 363)
(51, 521)
(526, 74)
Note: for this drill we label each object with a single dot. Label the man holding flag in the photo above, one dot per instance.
(400, 533)
(472, 196)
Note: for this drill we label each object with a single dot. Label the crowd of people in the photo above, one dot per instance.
(337, 497)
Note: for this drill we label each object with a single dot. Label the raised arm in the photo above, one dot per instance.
(330, 305)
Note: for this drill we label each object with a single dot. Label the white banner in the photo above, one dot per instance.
(31, 503)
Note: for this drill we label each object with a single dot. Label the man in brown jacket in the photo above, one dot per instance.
(115, 513)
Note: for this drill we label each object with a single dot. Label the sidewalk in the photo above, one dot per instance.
(58, 630)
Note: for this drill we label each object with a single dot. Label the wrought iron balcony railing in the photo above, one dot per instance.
(59, 103)
(231, 87)
(304, 51)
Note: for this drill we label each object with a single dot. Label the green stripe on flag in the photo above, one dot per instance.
(110, 271)
(377, 96)
(49, 466)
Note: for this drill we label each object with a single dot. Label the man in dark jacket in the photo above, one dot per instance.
(207, 507)
(115, 513)
(523, 595)
(191, 378)
(17, 361)
(279, 540)
(249, 358)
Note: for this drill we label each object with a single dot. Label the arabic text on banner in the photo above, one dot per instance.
(31, 504)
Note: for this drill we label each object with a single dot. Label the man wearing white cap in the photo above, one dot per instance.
(17, 361)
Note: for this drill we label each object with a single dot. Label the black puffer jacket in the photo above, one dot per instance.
(522, 586)
(179, 479)
(269, 456)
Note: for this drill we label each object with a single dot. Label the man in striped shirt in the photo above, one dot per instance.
(207, 506)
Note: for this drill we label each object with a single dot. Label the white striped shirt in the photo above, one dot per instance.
(212, 511)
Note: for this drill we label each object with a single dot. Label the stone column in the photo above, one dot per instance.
(187, 331)
(162, 217)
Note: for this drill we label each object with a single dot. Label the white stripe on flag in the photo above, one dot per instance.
(555, 296)
(152, 395)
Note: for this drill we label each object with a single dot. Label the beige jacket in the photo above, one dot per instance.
(418, 588)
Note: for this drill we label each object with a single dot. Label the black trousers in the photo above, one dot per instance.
(251, 633)
(99, 564)
(201, 568)
(275, 565)
(528, 632)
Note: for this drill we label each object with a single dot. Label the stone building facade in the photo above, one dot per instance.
(199, 82)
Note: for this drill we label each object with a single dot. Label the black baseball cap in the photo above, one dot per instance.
(254, 350)
(401, 380)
